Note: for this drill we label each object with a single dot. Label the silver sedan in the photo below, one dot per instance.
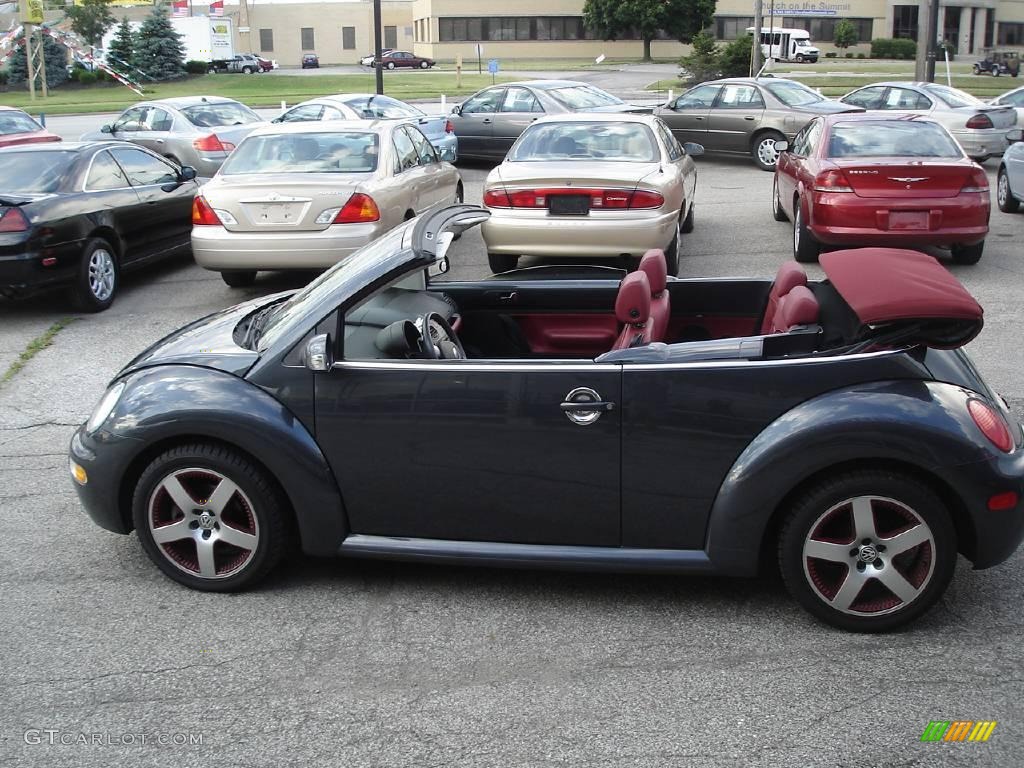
(307, 195)
(199, 131)
(1015, 99)
(978, 127)
(1010, 179)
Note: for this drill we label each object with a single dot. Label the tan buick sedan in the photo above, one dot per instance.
(306, 195)
(582, 186)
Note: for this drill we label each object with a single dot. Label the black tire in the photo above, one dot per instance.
(968, 254)
(977, 69)
(500, 262)
(239, 278)
(211, 70)
(672, 252)
(824, 514)
(688, 222)
(98, 277)
(799, 58)
(805, 247)
(995, 72)
(981, 160)
(763, 152)
(778, 212)
(253, 508)
(1004, 195)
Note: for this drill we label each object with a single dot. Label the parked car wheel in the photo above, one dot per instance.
(968, 254)
(995, 71)
(500, 262)
(239, 278)
(248, 70)
(763, 149)
(868, 551)
(977, 69)
(805, 247)
(688, 222)
(209, 518)
(778, 212)
(672, 252)
(424, 65)
(799, 58)
(98, 277)
(1004, 197)
(391, 65)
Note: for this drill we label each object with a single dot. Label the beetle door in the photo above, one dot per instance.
(475, 450)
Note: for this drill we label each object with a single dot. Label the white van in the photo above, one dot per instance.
(784, 44)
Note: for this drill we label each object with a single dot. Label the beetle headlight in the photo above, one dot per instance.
(105, 406)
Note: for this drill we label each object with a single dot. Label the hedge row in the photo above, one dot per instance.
(888, 48)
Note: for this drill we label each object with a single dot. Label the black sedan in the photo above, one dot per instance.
(76, 214)
(551, 419)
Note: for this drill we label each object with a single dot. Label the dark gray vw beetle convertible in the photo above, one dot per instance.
(564, 419)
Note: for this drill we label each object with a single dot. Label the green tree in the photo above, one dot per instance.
(845, 34)
(682, 19)
(91, 20)
(159, 51)
(123, 45)
(703, 64)
(734, 60)
(56, 63)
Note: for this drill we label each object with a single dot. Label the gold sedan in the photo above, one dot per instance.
(306, 195)
(585, 186)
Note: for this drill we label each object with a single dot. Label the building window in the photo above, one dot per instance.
(1010, 34)
(904, 21)
(348, 38)
(267, 40)
(823, 28)
(502, 28)
(391, 37)
(307, 39)
(732, 27)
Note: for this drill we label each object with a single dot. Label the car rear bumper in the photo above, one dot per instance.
(445, 141)
(216, 248)
(845, 219)
(577, 236)
(22, 269)
(982, 142)
(997, 534)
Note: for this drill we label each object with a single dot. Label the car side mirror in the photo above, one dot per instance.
(456, 109)
(279, 119)
(449, 154)
(692, 149)
(1015, 135)
(318, 357)
(187, 173)
(782, 146)
(107, 129)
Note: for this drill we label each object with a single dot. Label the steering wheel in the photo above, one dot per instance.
(437, 339)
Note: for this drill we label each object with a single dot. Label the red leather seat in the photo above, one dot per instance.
(653, 265)
(633, 309)
(789, 276)
(796, 308)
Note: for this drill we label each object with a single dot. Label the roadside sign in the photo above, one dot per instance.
(492, 66)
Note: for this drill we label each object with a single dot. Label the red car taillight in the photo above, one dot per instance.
(12, 220)
(359, 208)
(976, 182)
(991, 425)
(832, 181)
(212, 143)
(980, 121)
(600, 199)
(448, 127)
(202, 213)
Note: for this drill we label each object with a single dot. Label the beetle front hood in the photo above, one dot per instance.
(209, 342)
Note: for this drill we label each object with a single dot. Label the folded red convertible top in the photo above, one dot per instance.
(887, 286)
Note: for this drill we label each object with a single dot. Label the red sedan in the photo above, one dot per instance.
(16, 127)
(873, 180)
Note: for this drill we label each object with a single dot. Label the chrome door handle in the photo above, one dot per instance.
(486, 121)
(158, 141)
(748, 117)
(584, 406)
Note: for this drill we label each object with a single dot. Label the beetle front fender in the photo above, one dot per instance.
(924, 424)
(167, 402)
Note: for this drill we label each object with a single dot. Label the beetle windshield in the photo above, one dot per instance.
(34, 171)
(619, 141)
(793, 94)
(335, 152)
(217, 114)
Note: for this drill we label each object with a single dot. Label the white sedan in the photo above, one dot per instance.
(1010, 181)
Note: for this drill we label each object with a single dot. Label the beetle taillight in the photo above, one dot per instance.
(12, 220)
(991, 425)
(980, 121)
(202, 213)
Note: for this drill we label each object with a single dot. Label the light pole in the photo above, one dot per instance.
(755, 52)
(377, 50)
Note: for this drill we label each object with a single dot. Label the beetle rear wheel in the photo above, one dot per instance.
(868, 551)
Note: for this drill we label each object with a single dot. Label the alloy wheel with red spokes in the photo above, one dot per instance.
(209, 518)
(868, 550)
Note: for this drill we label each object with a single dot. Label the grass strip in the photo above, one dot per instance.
(34, 347)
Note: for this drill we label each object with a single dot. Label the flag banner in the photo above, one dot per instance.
(180, 8)
(216, 7)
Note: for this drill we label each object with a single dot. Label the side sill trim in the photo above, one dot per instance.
(557, 556)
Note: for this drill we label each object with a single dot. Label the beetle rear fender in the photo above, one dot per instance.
(166, 404)
(917, 424)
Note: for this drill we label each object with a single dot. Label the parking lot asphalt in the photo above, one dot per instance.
(377, 664)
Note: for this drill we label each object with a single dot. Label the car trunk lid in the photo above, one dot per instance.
(434, 127)
(1001, 117)
(573, 188)
(894, 177)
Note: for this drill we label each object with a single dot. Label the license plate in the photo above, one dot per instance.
(569, 205)
(908, 220)
(278, 213)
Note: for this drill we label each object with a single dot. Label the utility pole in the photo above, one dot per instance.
(933, 34)
(377, 49)
(755, 52)
(921, 62)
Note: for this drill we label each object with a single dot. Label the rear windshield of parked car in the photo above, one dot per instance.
(343, 152)
(383, 107)
(893, 138)
(17, 122)
(583, 97)
(793, 94)
(33, 171)
(624, 142)
(953, 97)
(220, 114)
